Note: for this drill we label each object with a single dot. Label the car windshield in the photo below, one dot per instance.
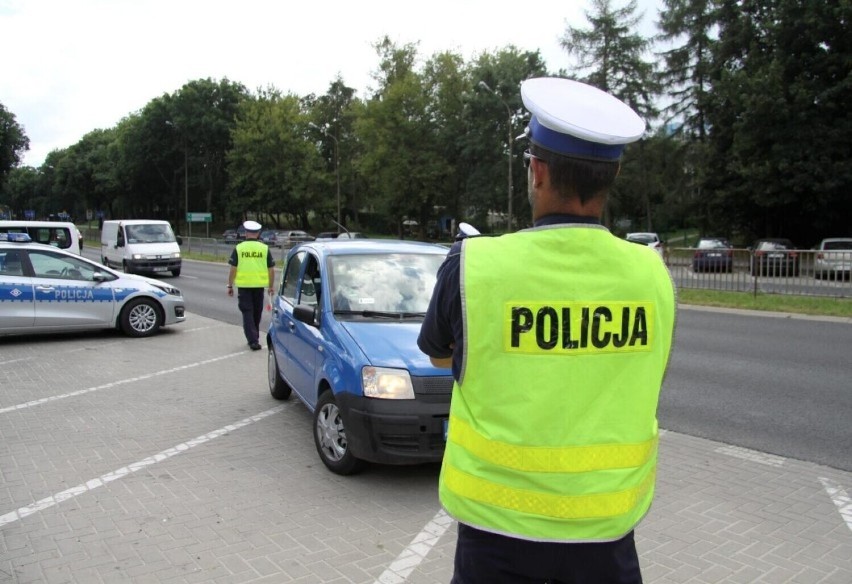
(845, 245)
(149, 233)
(382, 283)
(711, 244)
(771, 245)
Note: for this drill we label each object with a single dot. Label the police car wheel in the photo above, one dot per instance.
(278, 388)
(330, 438)
(141, 318)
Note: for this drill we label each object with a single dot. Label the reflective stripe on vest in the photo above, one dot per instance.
(552, 432)
(252, 269)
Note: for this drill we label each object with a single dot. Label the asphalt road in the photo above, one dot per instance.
(774, 384)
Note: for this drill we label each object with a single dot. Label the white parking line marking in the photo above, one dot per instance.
(417, 550)
(752, 455)
(45, 400)
(102, 480)
(841, 500)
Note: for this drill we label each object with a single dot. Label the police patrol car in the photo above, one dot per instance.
(45, 289)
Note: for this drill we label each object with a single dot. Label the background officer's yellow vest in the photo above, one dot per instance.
(252, 271)
(553, 430)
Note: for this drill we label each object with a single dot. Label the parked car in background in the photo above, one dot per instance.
(713, 254)
(833, 258)
(652, 240)
(774, 257)
(292, 237)
(271, 238)
(351, 235)
(324, 235)
(230, 236)
(45, 289)
(343, 338)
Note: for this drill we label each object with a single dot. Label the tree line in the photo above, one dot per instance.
(748, 105)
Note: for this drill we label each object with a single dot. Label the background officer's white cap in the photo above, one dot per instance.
(252, 226)
(579, 120)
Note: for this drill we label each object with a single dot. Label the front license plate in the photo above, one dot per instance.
(160, 269)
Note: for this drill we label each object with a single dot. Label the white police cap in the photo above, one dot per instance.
(579, 120)
(252, 226)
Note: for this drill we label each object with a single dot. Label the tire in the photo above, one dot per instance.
(127, 269)
(330, 438)
(278, 388)
(141, 318)
(176, 272)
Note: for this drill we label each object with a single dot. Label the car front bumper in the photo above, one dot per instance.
(395, 431)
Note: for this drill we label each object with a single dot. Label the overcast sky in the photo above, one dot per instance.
(73, 66)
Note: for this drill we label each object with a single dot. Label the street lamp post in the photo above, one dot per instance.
(336, 167)
(485, 86)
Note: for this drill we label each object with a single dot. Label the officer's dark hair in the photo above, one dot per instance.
(584, 178)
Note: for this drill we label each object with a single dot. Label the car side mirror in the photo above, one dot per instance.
(306, 314)
(100, 277)
(179, 239)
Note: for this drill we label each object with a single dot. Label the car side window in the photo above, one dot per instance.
(48, 265)
(290, 283)
(311, 283)
(10, 264)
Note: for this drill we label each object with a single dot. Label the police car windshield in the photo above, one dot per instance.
(391, 284)
(150, 234)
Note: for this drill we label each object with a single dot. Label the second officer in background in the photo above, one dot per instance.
(252, 272)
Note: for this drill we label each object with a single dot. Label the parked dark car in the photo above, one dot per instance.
(774, 257)
(230, 236)
(324, 235)
(343, 338)
(271, 238)
(713, 254)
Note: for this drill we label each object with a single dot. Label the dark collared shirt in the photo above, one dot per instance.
(443, 325)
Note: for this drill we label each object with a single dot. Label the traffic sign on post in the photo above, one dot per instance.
(199, 217)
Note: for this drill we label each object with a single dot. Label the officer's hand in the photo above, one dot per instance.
(230, 291)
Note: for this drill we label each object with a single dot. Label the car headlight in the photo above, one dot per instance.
(137, 256)
(384, 383)
(170, 290)
(176, 254)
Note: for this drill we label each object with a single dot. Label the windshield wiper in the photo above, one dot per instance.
(380, 314)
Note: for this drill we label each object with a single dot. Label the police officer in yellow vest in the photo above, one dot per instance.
(253, 272)
(558, 337)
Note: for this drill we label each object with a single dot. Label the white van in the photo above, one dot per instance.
(140, 246)
(61, 234)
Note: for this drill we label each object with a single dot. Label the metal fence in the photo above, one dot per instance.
(747, 272)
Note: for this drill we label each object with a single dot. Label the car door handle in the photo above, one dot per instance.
(43, 288)
(291, 325)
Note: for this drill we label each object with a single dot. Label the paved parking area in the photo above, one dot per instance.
(166, 460)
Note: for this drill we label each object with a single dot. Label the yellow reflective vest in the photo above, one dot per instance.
(553, 430)
(252, 268)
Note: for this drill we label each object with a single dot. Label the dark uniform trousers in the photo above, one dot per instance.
(488, 558)
(250, 303)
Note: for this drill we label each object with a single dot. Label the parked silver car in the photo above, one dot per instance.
(833, 258)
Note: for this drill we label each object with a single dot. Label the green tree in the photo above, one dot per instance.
(271, 163)
(612, 56)
(780, 117)
(13, 143)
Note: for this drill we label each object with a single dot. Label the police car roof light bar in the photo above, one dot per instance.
(16, 237)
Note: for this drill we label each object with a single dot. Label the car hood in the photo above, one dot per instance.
(392, 344)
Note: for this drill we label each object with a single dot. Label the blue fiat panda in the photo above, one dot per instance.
(343, 338)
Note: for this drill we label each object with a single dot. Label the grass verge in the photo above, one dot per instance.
(813, 305)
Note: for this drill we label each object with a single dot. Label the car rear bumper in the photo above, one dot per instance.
(395, 431)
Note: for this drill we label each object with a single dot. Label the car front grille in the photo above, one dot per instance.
(433, 385)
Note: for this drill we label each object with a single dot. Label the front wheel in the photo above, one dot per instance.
(127, 268)
(141, 318)
(330, 438)
(176, 272)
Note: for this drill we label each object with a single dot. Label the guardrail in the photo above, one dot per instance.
(748, 272)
